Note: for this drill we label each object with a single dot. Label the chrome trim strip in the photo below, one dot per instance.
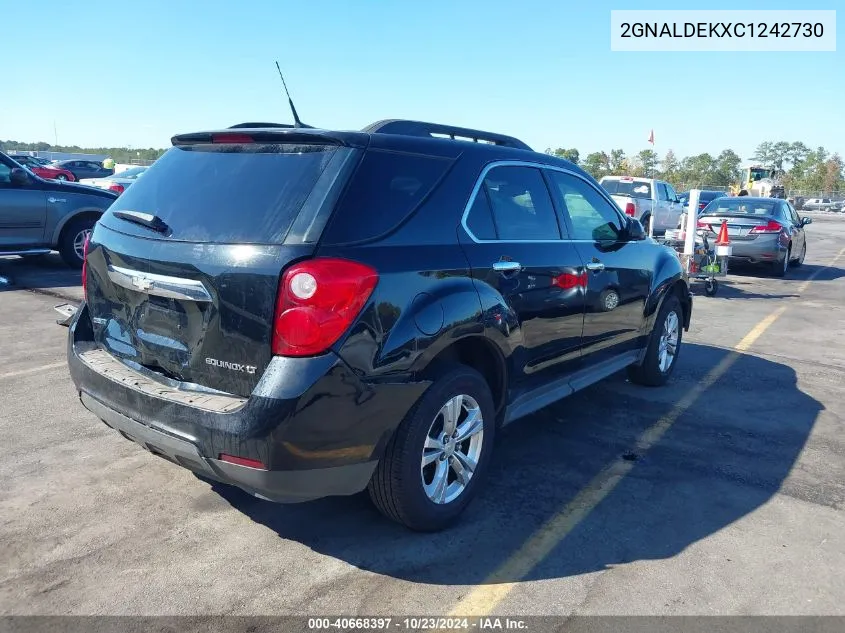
(159, 285)
(519, 163)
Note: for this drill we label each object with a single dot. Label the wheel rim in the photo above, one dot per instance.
(61, 177)
(452, 449)
(668, 348)
(79, 243)
(611, 301)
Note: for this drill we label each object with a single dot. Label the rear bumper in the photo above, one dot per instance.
(758, 251)
(274, 485)
(317, 427)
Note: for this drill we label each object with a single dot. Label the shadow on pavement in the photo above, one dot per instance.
(44, 272)
(726, 456)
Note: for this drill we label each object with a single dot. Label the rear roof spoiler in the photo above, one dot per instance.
(436, 130)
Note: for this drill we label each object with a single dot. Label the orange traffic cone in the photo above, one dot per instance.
(723, 234)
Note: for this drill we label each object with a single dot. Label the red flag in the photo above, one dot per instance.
(651, 137)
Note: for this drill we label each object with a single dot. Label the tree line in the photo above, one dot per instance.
(119, 154)
(805, 169)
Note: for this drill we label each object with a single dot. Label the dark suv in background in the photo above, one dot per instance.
(305, 313)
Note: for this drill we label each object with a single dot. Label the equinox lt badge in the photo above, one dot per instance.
(250, 369)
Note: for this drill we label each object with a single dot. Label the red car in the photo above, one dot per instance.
(42, 170)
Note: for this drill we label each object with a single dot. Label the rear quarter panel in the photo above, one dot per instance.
(66, 206)
(668, 273)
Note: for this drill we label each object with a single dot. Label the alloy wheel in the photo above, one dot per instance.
(79, 242)
(452, 449)
(668, 347)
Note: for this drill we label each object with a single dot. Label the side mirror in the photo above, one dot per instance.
(805, 221)
(635, 230)
(19, 177)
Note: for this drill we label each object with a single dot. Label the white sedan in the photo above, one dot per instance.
(117, 182)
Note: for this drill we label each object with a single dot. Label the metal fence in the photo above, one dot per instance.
(790, 193)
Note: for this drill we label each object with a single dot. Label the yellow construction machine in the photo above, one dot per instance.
(761, 182)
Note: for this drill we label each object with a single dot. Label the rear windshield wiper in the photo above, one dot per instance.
(144, 219)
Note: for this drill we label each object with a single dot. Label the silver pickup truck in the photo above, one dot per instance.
(652, 202)
(38, 216)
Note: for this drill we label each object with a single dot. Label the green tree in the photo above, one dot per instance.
(797, 153)
(597, 164)
(669, 167)
(572, 154)
(698, 171)
(833, 178)
(764, 154)
(616, 163)
(726, 168)
(647, 162)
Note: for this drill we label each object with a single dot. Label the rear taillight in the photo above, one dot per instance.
(771, 227)
(630, 209)
(701, 205)
(116, 188)
(317, 302)
(85, 267)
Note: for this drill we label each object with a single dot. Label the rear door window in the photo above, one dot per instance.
(227, 193)
(521, 205)
(384, 191)
(480, 218)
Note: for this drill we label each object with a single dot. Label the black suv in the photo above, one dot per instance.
(305, 313)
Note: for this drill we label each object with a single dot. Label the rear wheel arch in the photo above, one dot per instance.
(85, 214)
(479, 353)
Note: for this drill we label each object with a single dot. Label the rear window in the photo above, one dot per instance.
(627, 188)
(740, 206)
(386, 188)
(227, 193)
(706, 196)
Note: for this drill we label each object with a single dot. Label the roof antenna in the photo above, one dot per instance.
(297, 122)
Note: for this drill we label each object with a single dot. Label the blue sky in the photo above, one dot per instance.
(119, 73)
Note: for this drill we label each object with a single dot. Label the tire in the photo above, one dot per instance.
(780, 267)
(398, 486)
(800, 261)
(646, 222)
(649, 372)
(711, 287)
(69, 242)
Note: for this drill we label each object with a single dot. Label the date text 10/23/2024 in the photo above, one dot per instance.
(417, 624)
(723, 31)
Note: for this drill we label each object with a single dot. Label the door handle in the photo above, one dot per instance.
(507, 267)
(595, 266)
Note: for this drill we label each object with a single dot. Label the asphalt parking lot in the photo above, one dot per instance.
(722, 493)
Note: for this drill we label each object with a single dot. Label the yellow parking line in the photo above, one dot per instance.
(483, 598)
(806, 283)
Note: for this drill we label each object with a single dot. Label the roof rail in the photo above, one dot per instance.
(437, 130)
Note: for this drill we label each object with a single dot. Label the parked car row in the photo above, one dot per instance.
(38, 215)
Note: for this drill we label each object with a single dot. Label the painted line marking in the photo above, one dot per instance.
(483, 598)
(807, 281)
(33, 370)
